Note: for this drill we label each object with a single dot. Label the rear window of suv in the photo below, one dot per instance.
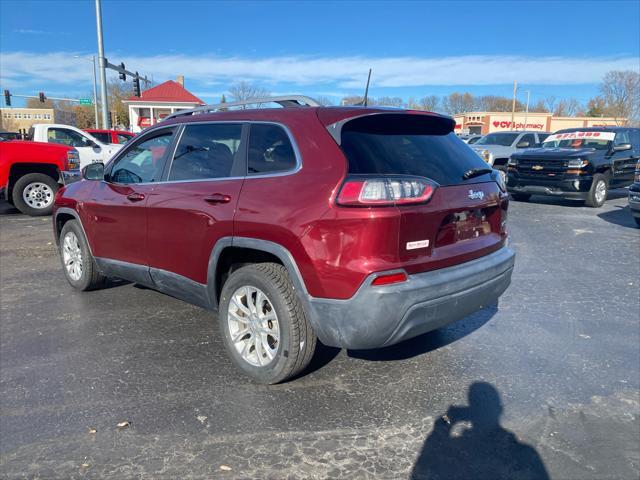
(399, 145)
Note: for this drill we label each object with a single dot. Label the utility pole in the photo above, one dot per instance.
(102, 62)
(513, 105)
(95, 92)
(526, 112)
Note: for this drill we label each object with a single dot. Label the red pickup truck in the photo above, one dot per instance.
(31, 173)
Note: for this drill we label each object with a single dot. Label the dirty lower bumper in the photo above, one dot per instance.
(572, 186)
(634, 200)
(381, 316)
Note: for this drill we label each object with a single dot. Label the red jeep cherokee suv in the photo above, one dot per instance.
(361, 227)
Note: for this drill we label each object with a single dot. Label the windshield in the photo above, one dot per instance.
(595, 140)
(503, 139)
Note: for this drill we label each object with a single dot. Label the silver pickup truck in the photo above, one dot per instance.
(496, 148)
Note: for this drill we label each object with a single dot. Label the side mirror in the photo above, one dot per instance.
(95, 146)
(522, 144)
(93, 171)
(622, 147)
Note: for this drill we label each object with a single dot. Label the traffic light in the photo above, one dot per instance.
(123, 76)
(136, 85)
(7, 98)
(42, 96)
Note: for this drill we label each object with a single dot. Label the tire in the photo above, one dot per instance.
(290, 340)
(74, 244)
(33, 194)
(598, 192)
(521, 197)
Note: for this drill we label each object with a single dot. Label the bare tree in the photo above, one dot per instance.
(539, 107)
(458, 103)
(494, 103)
(620, 92)
(550, 103)
(8, 124)
(389, 102)
(242, 91)
(567, 107)
(430, 103)
(323, 100)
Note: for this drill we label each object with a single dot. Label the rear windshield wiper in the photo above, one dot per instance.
(475, 172)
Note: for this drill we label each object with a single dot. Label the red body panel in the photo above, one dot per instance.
(113, 134)
(18, 151)
(183, 227)
(116, 225)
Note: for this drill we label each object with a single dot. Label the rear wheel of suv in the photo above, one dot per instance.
(598, 192)
(521, 197)
(77, 262)
(263, 323)
(33, 194)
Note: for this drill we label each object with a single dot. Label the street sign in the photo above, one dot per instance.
(86, 101)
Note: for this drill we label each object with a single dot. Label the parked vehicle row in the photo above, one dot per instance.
(89, 148)
(579, 163)
(32, 172)
(360, 227)
(496, 148)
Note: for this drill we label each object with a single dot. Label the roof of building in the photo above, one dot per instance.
(169, 91)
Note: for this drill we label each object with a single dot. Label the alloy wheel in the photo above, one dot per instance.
(253, 326)
(72, 256)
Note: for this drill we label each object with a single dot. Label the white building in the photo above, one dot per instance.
(158, 102)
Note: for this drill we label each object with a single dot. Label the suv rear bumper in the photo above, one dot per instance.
(382, 316)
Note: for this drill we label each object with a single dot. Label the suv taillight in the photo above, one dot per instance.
(385, 191)
(73, 160)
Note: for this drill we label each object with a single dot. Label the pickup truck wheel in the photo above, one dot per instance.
(521, 197)
(33, 194)
(598, 192)
(77, 262)
(263, 323)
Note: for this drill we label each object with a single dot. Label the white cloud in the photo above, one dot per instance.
(336, 73)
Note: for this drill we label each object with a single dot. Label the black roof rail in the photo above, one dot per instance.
(283, 100)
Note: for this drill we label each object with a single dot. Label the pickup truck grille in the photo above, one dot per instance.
(540, 168)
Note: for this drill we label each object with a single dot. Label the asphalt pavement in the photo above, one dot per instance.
(543, 385)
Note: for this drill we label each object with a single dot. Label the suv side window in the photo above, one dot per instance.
(206, 151)
(542, 137)
(67, 137)
(102, 136)
(528, 137)
(634, 135)
(621, 137)
(142, 162)
(270, 150)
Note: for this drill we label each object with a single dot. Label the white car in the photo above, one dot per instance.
(89, 148)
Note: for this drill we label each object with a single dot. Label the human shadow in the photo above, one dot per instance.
(468, 442)
(429, 341)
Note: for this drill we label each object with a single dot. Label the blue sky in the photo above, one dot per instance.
(325, 48)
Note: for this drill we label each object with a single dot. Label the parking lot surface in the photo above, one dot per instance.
(543, 385)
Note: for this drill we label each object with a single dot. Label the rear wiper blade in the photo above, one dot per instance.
(476, 172)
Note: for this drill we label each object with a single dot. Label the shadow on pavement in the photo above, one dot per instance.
(429, 341)
(621, 216)
(7, 209)
(469, 442)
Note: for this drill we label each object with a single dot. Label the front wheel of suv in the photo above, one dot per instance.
(263, 323)
(598, 193)
(77, 262)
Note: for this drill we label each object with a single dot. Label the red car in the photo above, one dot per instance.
(32, 172)
(110, 136)
(361, 227)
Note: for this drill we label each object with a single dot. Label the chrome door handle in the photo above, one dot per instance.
(135, 197)
(218, 198)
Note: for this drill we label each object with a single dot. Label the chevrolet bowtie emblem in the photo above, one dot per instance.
(537, 167)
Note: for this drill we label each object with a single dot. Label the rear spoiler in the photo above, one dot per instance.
(405, 122)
